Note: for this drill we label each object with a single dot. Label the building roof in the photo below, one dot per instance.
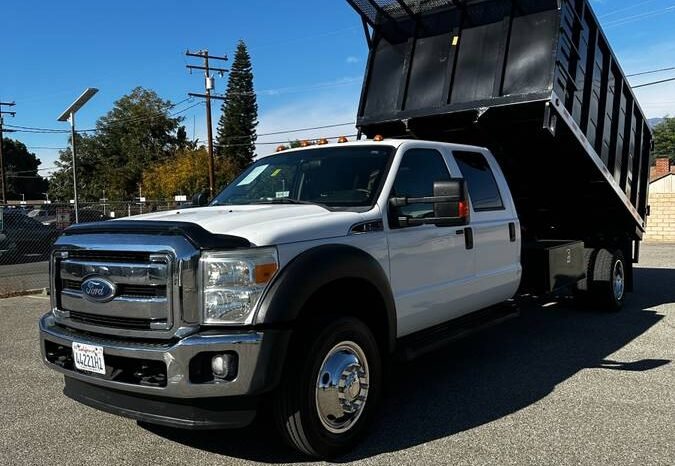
(654, 176)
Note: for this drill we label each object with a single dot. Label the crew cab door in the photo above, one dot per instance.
(494, 226)
(430, 266)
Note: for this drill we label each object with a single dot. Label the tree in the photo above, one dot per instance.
(236, 134)
(185, 173)
(664, 139)
(21, 168)
(91, 178)
(139, 131)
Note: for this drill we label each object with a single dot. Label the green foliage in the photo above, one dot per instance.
(664, 139)
(236, 134)
(21, 167)
(138, 132)
(185, 173)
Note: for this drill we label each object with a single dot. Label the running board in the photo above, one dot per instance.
(428, 340)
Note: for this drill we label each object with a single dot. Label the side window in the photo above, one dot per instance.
(480, 181)
(418, 171)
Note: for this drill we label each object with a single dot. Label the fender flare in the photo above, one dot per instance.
(315, 268)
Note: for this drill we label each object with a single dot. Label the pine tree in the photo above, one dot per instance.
(237, 125)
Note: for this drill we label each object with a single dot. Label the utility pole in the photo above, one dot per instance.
(3, 185)
(209, 84)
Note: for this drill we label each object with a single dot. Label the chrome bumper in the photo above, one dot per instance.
(254, 371)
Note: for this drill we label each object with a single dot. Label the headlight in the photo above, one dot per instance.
(233, 282)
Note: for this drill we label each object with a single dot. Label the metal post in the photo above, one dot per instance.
(2, 168)
(204, 55)
(69, 115)
(209, 129)
(72, 136)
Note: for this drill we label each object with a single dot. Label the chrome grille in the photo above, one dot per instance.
(143, 299)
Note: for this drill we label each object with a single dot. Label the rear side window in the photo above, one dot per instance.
(480, 181)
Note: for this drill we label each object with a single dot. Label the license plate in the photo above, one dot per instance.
(88, 358)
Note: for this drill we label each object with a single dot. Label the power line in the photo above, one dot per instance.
(32, 129)
(653, 83)
(639, 16)
(297, 130)
(620, 10)
(651, 72)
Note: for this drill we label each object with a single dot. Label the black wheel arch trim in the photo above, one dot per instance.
(315, 268)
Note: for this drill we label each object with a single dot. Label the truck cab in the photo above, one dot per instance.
(193, 318)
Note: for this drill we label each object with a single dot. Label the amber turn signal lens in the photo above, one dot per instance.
(322, 141)
(264, 272)
(378, 138)
(342, 139)
(304, 143)
(281, 148)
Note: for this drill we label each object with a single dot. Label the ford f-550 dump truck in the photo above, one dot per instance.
(306, 274)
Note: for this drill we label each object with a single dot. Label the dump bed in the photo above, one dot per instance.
(533, 80)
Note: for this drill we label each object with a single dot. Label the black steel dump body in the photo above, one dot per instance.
(536, 82)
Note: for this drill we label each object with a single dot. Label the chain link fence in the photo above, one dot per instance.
(28, 231)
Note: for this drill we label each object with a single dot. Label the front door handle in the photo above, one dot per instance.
(468, 236)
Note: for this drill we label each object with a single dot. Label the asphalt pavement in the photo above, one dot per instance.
(16, 278)
(557, 385)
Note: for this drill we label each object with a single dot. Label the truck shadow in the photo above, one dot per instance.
(479, 379)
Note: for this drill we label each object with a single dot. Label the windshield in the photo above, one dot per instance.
(331, 176)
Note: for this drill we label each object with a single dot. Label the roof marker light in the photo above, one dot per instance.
(322, 141)
(281, 148)
(342, 139)
(378, 138)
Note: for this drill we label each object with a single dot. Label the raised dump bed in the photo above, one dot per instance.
(533, 80)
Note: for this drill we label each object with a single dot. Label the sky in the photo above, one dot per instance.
(308, 59)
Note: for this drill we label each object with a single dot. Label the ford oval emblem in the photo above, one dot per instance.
(98, 289)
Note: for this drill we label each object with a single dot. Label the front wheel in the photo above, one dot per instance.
(330, 388)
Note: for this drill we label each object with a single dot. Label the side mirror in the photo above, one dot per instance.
(449, 201)
(200, 199)
(455, 211)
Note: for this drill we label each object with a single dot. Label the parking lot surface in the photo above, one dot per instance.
(556, 386)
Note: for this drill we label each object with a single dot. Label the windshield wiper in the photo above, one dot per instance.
(287, 200)
(282, 200)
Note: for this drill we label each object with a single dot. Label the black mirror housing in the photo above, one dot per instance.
(452, 189)
(449, 201)
(200, 199)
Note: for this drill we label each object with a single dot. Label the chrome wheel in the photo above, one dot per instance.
(618, 281)
(342, 387)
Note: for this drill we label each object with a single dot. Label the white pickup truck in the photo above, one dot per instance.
(294, 287)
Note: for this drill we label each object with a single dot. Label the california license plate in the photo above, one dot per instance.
(88, 358)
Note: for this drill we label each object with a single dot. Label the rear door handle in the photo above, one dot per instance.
(512, 232)
(468, 236)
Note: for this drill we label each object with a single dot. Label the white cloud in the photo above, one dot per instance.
(319, 110)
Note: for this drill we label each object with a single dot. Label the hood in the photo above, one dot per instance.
(265, 224)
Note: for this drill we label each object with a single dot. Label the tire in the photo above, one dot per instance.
(608, 284)
(337, 351)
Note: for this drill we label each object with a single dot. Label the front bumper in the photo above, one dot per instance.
(180, 397)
